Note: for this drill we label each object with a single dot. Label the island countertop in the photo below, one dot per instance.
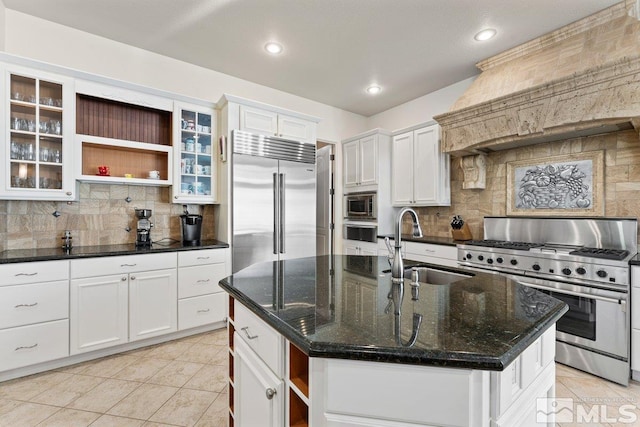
(340, 307)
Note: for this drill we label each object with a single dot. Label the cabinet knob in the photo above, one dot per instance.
(175, 197)
(69, 193)
(270, 392)
(133, 277)
(124, 279)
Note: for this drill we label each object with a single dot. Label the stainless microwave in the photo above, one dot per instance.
(360, 206)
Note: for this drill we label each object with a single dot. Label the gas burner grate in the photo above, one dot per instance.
(503, 244)
(615, 254)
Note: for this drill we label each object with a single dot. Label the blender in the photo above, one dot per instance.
(143, 227)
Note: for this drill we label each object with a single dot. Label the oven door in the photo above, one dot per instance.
(597, 318)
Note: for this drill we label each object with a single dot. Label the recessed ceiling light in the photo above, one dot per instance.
(485, 34)
(373, 89)
(273, 48)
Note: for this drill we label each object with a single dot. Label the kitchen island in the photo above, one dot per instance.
(323, 341)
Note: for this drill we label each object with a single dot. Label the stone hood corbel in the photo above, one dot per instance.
(583, 79)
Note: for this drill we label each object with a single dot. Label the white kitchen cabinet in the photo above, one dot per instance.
(111, 309)
(420, 171)
(34, 313)
(38, 125)
(259, 393)
(361, 162)
(444, 255)
(272, 123)
(152, 303)
(200, 299)
(356, 247)
(195, 155)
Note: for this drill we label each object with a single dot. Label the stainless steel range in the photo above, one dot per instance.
(582, 261)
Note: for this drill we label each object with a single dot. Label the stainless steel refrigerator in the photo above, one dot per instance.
(274, 199)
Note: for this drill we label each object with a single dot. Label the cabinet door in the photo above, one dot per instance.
(402, 169)
(368, 160)
(258, 392)
(258, 121)
(350, 248)
(153, 303)
(38, 126)
(195, 165)
(350, 164)
(296, 129)
(98, 312)
(426, 160)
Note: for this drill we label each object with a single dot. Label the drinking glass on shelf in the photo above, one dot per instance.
(44, 154)
(58, 156)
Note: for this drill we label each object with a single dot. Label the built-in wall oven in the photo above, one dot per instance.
(364, 232)
(583, 262)
(360, 206)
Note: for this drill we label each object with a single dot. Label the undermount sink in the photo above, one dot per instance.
(433, 276)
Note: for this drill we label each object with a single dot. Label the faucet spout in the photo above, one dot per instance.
(397, 269)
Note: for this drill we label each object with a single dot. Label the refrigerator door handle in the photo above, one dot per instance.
(276, 212)
(282, 211)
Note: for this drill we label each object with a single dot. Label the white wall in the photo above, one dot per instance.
(421, 109)
(46, 41)
(2, 24)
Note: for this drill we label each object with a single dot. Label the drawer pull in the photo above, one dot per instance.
(203, 281)
(26, 305)
(26, 274)
(246, 331)
(270, 392)
(206, 310)
(203, 257)
(133, 277)
(26, 347)
(128, 265)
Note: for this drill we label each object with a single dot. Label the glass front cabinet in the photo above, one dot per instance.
(38, 127)
(195, 155)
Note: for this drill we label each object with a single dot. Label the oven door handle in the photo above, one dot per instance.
(622, 302)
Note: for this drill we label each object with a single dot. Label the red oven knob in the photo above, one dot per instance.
(601, 273)
(581, 270)
(536, 267)
(566, 271)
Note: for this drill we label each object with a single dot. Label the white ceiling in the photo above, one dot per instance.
(333, 48)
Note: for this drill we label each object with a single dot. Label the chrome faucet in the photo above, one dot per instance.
(397, 269)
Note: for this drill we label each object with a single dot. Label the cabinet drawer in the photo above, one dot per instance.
(200, 257)
(200, 279)
(33, 303)
(262, 338)
(434, 254)
(33, 272)
(103, 266)
(32, 344)
(201, 310)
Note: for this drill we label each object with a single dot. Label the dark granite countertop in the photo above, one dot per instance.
(483, 321)
(49, 254)
(635, 260)
(435, 240)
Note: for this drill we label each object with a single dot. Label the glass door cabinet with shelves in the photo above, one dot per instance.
(38, 124)
(195, 155)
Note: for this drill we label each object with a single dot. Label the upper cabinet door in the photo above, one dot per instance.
(351, 162)
(296, 129)
(258, 121)
(38, 124)
(427, 164)
(402, 167)
(369, 160)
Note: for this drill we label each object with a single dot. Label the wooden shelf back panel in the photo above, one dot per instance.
(123, 160)
(299, 369)
(110, 119)
(298, 411)
(231, 367)
(231, 313)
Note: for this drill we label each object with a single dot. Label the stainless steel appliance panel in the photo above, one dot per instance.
(297, 209)
(361, 232)
(360, 206)
(253, 210)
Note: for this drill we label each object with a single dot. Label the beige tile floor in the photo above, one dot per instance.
(184, 383)
(178, 383)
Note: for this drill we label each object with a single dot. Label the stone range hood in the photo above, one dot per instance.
(583, 79)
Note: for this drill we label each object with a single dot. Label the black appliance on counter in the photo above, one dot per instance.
(191, 228)
(581, 261)
(143, 227)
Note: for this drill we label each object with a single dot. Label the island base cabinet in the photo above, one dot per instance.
(258, 392)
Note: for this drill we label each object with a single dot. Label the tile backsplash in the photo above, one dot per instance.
(621, 182)
(100, 217)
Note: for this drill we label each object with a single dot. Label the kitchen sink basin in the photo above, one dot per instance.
(434, 276)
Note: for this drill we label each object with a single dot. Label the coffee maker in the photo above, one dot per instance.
(143, 227)
(191, 228)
